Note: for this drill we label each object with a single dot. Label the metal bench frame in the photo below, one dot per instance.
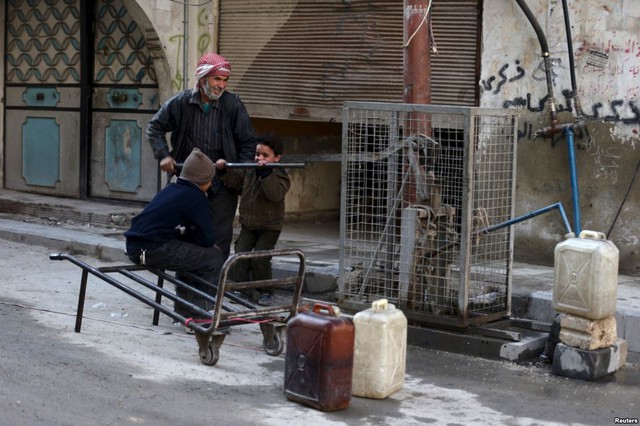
(210, 336)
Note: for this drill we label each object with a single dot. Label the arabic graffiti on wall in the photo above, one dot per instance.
(604, 80)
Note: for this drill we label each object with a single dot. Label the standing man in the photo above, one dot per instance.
(215, 121)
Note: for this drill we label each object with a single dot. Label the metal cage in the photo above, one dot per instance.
(421, 185)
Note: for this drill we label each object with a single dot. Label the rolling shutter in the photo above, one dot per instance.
(454, 68)
(303, 59)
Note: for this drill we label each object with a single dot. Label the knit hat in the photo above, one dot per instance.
(198, 168)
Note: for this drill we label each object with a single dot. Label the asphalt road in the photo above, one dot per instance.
(122, 371)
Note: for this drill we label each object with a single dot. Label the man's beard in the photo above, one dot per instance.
(210, 92)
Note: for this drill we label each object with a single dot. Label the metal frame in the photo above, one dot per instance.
(210, 334)
(451, 168)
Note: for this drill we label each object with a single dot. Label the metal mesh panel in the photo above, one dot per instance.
(420, 186)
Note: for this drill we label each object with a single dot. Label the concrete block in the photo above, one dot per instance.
(478, 345)
(619, 316)
(529, 347)
(317, 278)
(541, 307)
(632, 330)
(588, 334)
(316, 283)
(580, 364)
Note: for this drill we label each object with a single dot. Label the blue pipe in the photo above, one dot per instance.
(529, 215)
(568, 131)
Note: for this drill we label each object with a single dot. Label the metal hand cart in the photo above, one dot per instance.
(211, 332)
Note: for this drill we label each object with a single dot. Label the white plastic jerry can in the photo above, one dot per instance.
(586, 276)
(380, 350)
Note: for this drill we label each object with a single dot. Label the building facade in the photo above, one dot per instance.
(82, 78)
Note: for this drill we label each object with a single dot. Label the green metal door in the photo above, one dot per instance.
(124, 98)
(80, 89)
(42, 80)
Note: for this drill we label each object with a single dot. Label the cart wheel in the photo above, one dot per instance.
(212, 355)
(275, 346)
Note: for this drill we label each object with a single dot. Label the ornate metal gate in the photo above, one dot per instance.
(421, 184)
(42, 81)
(76, 108)
(125, 97)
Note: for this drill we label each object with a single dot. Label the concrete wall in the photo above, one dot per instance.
(606, 43)
(606, 37)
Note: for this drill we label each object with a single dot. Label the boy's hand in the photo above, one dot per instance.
(263, 171)
(181, 229)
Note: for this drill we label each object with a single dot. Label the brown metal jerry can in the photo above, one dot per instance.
(319, 359)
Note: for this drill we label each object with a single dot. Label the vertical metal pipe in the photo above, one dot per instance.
(86, 95)
(185, 45)
(416, 73)
(215, 23)
(417, 59)
(574, 180)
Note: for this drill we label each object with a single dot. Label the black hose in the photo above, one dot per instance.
(572, 66)
(544, 46)
(536, 27)
(624, 200)
(567, 30)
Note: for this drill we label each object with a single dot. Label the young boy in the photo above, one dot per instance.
(175, 230)
(261, 212)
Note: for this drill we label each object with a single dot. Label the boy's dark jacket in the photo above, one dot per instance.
(262, 198)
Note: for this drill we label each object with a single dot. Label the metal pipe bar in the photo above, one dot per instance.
(162, 274)
(228, 294)
(167, 293)
(267, 166)
(575, 197)
(274, 282)
(509, 222)
(179, 166)
(224, 272)
(141, 297)
(156, 313)
(265, 312)
(529, 215)
(118, 268)
(81, 297)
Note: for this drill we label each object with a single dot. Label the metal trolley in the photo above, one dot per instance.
(210, 333)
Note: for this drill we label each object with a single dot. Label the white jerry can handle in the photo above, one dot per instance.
(379, 305)
(593, 235)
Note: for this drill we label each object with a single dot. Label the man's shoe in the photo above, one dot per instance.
(266, 299)
(240, 295)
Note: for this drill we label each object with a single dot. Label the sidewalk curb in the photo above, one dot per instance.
(63, 240)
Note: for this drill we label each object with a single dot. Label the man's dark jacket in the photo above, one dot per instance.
(180, 203)
(238, 134)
